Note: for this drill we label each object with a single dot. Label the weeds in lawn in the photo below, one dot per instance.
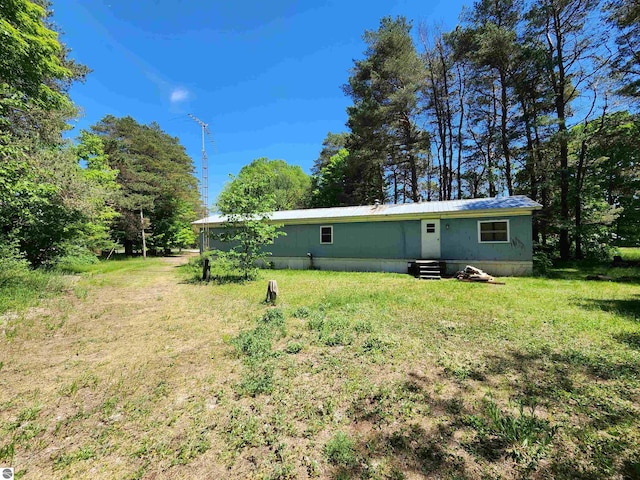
(301, 312)
(294, 347)
(340, 451)
(66, 459)
(524, 436)
(140, 378)
(256, 348)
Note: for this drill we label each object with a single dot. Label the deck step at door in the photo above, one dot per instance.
(428, 269)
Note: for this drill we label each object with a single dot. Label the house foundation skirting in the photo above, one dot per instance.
(492, 267)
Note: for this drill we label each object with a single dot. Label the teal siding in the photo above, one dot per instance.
(460, 240)
(350, 240)
(401, 240)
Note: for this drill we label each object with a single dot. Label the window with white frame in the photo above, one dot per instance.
(326, 234)
(493, 231)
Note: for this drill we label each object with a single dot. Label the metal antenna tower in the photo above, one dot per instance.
(204, 171)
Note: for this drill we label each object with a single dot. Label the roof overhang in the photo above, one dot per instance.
(502, 212)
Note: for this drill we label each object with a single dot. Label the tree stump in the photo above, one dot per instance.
(272, 292)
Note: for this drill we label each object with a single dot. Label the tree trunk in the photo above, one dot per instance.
(504, 132)
(144, 241)
(128, 247)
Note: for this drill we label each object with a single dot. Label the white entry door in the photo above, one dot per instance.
(430, 238)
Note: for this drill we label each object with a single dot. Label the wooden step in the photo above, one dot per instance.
(426, 269)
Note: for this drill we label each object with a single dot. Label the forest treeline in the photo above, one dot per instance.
(528, 97)
(63, 201)
(535, 97)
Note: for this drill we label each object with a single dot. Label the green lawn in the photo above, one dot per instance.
(351, 375)
(629, 253)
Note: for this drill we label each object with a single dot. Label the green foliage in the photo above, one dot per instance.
(542, 262)
(301, 312)
(328, 186)
(525, 436)
(255, 347)
(294, 347)
(331, 145)
(156, 177)
(287, 184)
(247, 206)
(386, 140)
(340, 451)
(75, 260)
(31, 64)
(21, 287)
(255, 343)
(623, 15)
(275, 318)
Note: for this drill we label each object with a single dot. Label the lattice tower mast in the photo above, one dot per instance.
(204, 180)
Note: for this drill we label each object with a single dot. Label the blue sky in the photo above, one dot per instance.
(266, 75)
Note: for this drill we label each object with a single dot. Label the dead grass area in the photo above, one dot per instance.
(141, 374)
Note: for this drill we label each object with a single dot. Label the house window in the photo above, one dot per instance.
(493, 231)
(431, 228)
(326, 234)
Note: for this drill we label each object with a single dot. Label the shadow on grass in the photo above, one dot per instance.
(216, 280)
(580, 270)
(628, 307)
(598, 405)
(632, 339)
(593, 391)
(565, 414)
(411, 450)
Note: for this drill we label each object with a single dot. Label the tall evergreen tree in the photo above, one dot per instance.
(385, 132)
(156, 179)
(624, 15)
(561, 27)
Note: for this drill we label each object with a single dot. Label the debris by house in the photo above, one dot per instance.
(473, 274)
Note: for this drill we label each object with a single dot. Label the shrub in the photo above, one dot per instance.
(13, 267)
(542, 263)
(75, 260)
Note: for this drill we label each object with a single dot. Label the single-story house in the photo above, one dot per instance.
(493, 234)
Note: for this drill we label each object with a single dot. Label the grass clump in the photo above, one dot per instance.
(257, 380)
(21, 287)
(66, 459)
(524, 436)
(254, 343)
(301, 312)
(331, 331)
(256, 347)
(294, 347)
(340, 451)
